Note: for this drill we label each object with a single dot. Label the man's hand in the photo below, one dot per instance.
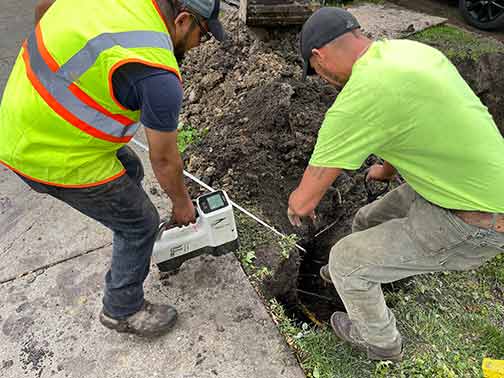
(295, 219)
(184, 214)
(379, 172)
(314, 184)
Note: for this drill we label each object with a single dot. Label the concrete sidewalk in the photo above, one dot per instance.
(49, 326)
(48, 319)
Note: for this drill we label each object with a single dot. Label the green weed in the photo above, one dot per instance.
(247, 258)
(287, 244)
(188, 135)
(263, 273)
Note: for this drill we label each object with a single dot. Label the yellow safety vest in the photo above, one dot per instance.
(60, 122)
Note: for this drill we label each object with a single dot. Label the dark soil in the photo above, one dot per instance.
(486, 79)
(260, 123)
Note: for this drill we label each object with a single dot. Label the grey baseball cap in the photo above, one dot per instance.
(323, 26)
(209, 10)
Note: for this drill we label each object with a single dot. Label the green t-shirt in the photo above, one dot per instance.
(406, 103)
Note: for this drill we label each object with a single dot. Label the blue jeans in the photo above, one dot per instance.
(123, 206)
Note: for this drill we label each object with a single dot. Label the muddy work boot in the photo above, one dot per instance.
(150, 321)
(342, 327)
(324, 274)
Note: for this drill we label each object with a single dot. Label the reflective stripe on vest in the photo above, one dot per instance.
(58, 91)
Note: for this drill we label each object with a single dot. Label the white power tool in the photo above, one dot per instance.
(213, 233)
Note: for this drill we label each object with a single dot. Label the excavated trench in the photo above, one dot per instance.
(295, 282)
(314, 300)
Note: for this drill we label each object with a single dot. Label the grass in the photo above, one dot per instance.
(456, 43)
(450, 322)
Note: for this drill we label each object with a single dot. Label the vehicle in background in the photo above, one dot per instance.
(483, 14)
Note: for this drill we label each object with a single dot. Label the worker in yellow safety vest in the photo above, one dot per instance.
(84, 80)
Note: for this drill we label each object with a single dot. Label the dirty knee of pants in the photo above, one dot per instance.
(344, 257)
(359, 222)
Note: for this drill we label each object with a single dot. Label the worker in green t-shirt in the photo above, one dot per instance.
(407, 104)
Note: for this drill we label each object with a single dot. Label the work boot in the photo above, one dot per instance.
(150, 321)
(342, 327)
(324, 274)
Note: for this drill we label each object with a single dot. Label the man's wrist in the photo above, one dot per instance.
(181, 201)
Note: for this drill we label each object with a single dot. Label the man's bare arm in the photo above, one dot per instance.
(41, 7)
(168, 168)
(313, 186)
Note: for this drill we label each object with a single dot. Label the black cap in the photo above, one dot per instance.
(209, 10)
(323, 26)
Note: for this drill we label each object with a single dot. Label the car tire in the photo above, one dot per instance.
(483, 21)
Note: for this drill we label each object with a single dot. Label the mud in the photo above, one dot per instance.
(259, 123)
(282, 282)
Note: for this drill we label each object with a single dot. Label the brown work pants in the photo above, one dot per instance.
(398, 236)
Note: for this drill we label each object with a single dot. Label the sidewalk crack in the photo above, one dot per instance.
(7, 249)
(50, 265)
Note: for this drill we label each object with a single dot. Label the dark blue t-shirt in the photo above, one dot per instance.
(157, 93)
